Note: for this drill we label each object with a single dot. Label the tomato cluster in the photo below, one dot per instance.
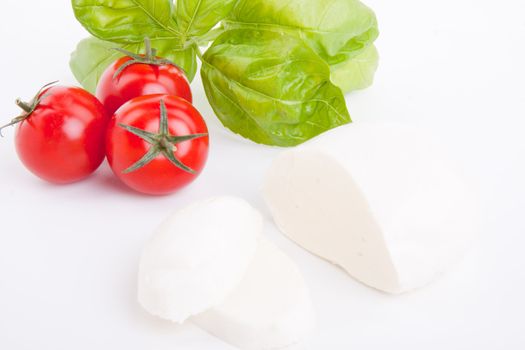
(141, 119)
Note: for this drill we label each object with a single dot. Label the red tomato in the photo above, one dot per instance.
(139, 75)
(60, 135)
(157, 144)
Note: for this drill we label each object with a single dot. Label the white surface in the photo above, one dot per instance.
(197, 257)
(68, 255)
(395, 216)
(270, 309)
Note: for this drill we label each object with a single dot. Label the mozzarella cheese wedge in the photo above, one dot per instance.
(269, 309)
(197, 257)
(379, 200)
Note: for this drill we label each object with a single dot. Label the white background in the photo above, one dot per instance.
(68, 254)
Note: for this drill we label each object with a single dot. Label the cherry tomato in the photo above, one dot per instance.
(157, 144)
(60, 134)
(139, 75)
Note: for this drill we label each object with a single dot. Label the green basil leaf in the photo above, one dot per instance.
(185, 58)
(92, 56)
(205, 39)
(196, 17)
(356, 72)
(335, 29)
(127, 21)
(270, 87)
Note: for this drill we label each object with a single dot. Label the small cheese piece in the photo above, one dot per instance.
(379, 200)
(270, 309)
(197, 257)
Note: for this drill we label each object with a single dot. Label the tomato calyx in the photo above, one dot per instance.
(27, 107)
(149, 57)
(161, 142)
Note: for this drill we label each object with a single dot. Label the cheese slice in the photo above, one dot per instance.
(269, 309)
(379, 200)
(197, 257)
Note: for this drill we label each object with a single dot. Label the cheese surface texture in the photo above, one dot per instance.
(379, 200)
(197, 257)
(269, 309)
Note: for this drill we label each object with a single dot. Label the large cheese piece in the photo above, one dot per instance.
(269, 309)
(197, 257)
(380, 200)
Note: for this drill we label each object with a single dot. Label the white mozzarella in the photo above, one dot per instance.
(270, 308)
(380, 200)
(197, 257)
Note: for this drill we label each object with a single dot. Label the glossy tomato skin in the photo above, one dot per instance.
(140, 79)
(160, 176)
(62, 141)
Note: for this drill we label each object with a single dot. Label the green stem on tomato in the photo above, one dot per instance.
(24, 105)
